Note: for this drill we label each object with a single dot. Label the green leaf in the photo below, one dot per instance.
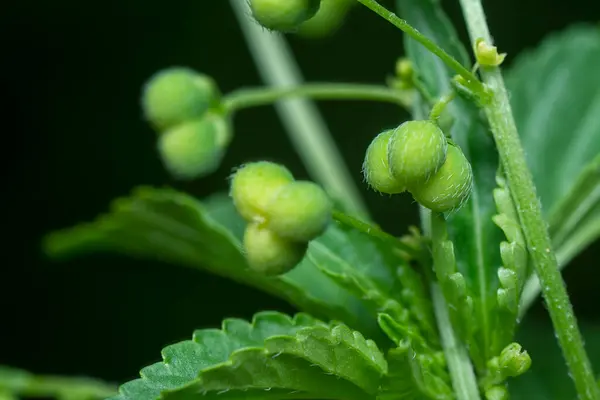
(171, 226)
(555, 95)
(273, 357)
(548, 378)
(16, 382)
(476, 239)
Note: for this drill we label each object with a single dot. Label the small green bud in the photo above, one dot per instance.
(254, 185)
(193, 149)
(487, 55)
(514, 361)
(299, 211)
(270, 254)
(283, 15)
(417, 149)
(176, 95)
(450, 187)
(376, 168)
(404, 69)
(497, 393)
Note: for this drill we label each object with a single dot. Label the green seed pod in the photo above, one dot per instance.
(416, 151)
(176, 95)
(270, 254)
(376, 168)
(450, 187)
(192, 149)
(299, 211)
(283, 15)
(254, 185)
(327, 20)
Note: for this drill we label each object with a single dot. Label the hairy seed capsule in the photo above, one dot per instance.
(450, 187)
(327, 20)
(283, 15)
(269, 253)
(376, 168)
(254, 185)
(300, 211)
(416, 151)
(192, 149)
(176, 95)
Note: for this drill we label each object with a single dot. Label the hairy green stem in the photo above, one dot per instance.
(306, 128)
(450, 61)
(524, 195)
(245, 98)
(457, 356)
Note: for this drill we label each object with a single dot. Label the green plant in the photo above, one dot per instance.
(425, 316)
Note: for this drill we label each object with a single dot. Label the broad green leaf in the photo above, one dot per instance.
(275, 356)
(548, 378)
(171, 226)
(16, 382)
(555, 94)
(476, 239)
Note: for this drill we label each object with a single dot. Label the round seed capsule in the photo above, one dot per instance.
(450, 187)
(327, 20)
(416, 151)
(254, 185)
(191, 150)
(376, 168)
(176, 95)
(269, 253)
(300, 211)
(283, 15)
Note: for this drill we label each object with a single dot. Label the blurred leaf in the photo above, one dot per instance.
(548, 378)
(475, 236)
(16, 382)
(555, 94)
(273, 357)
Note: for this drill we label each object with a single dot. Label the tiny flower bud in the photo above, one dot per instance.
(283, 15)
(450, 187)
(376, 168)
(270, 254)
(497, 392)
(417, 149)
(487, 55)
(253, 186)
(514, 361)
(299, 211)
(176, 95)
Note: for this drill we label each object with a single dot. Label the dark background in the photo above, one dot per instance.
(73, 139)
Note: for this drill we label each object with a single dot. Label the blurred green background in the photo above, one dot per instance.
(73, 139)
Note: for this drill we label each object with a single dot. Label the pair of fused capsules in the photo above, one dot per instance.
(417, 157)
(283, 215)
(182, 105)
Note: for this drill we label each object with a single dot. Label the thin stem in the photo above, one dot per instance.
(245, 98)
(521, 184)
(457, 356)
(306, 128)
(401, 24)
(440, 106)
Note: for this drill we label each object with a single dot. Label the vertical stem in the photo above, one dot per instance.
(521, 184)
(457, 356)
(305, 126)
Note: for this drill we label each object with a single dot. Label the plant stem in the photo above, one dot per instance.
(450, 61)
(521, 184)
(305, 126)
(457, 356)
(245, 98)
